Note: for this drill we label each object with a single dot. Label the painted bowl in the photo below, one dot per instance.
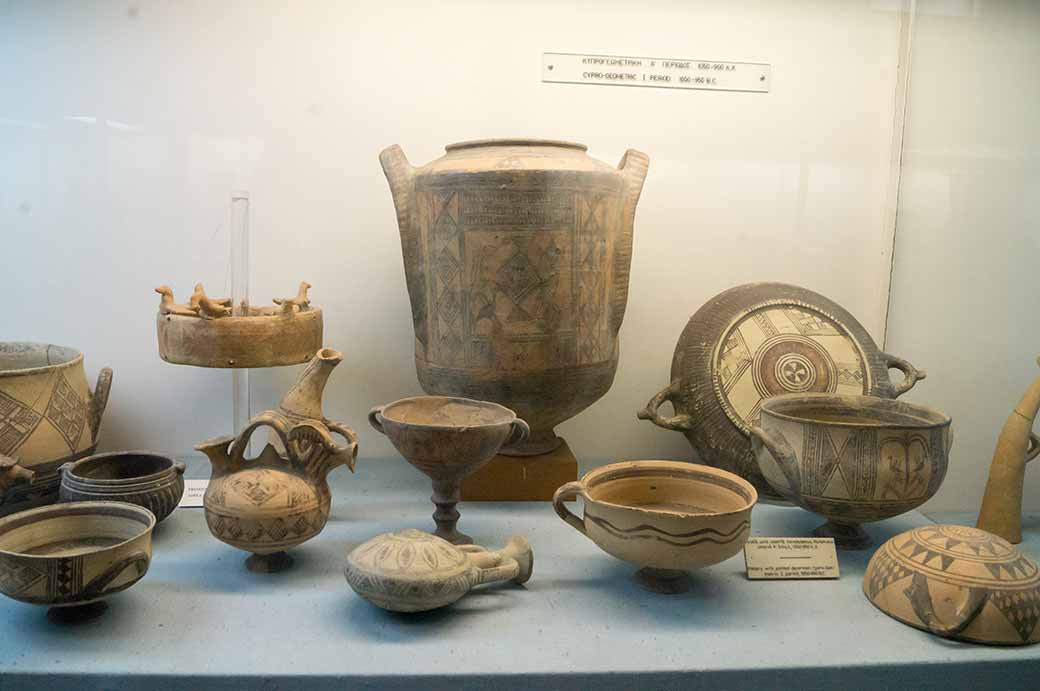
(146, 479)
(851, 459)
(67, 555)
(668, 517)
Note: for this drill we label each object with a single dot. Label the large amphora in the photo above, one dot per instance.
(517, 256)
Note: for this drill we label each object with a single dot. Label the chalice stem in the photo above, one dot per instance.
(445, 497)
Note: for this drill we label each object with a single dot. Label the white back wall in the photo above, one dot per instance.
(125, 126)
(967, 256)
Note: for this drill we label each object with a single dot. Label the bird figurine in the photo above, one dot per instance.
(193, 302)
(302, 301)
(167, 305)
(207, 306)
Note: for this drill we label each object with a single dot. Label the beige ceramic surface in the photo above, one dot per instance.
(1001, 512)
(517, 257)
(74, 554)
(668, 517)
(143, 478)
(413, 571)
(447, 438)
(207, 332)
(281, 498)
(48, 415)
(957, 582)
(760, 340)
(851, 459)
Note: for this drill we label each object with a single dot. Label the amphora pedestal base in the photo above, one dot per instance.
(664, 581)
(269, 563)
(850, 536)
(522, 478)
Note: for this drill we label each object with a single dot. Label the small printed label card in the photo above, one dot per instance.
(787, 558)
(663, 73)
(193, 491)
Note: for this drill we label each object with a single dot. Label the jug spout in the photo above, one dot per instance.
(216, 451)
(304, 399)
(1001, 512)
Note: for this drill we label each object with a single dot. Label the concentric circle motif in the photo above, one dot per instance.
(963, 555)
(779, 349)
(795, 372)
(961, 541)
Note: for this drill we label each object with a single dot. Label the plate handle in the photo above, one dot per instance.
(679, 423)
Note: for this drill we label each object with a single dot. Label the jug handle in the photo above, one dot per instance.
(565, 492)
(508, 570)
(348, 452)
(782, 453)
(679, 423)
(266, 419)
(911, 375)
(99, 401)
(633, 167)
(1034, 447)
(514, 562)
(921, 600)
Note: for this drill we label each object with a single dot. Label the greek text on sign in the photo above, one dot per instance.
(666, 73)
(769, 558)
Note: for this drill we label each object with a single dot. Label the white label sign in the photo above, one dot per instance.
(773, 558)
(665, 73)
(193, 492)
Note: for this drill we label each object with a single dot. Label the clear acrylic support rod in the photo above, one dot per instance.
(240, 300)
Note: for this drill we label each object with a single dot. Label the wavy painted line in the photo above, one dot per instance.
(709, 534)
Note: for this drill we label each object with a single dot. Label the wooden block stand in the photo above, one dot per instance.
(522, 478)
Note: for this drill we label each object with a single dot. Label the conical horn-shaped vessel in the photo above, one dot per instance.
(517, 256)
(1001, 512)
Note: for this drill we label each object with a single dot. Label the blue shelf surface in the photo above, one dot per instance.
(200, 620)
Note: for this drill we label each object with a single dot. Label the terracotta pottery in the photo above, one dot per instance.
(760, 340)
(447, 438)
(71, 555)
(281, 498)
(517, 256)
(413, 571)
(851, 459)
(957, 582)
(1001, 512)
(668, 517)
(146, 479)
(204, 331)
(48, 416)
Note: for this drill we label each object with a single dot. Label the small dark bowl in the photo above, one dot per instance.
(146, 479)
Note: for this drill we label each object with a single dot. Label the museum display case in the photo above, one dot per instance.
(769, 218)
